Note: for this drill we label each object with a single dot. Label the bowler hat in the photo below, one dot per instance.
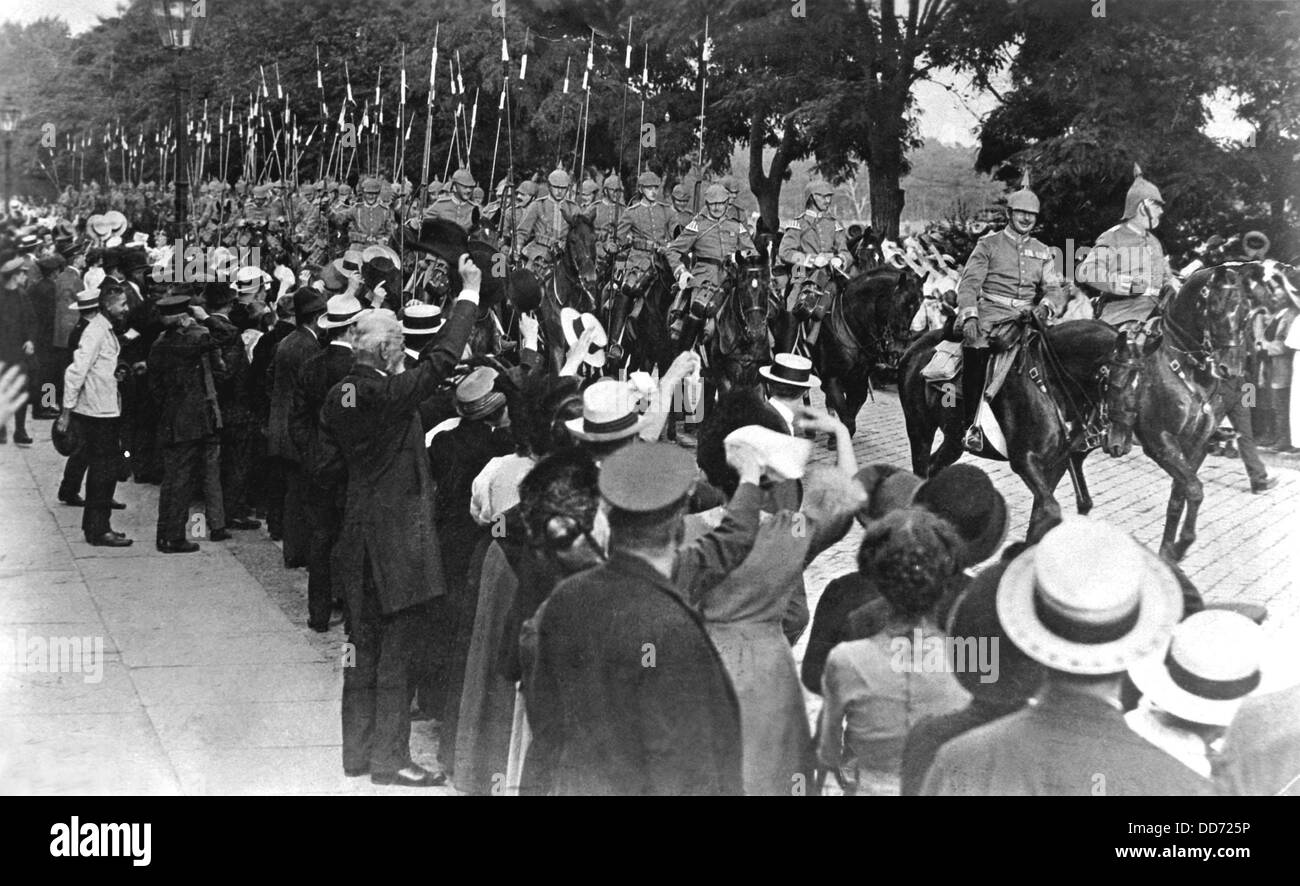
(69, 441)
(964, 496)
(975, 618)
(307, 301)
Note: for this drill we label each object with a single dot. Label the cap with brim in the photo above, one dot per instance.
(475, 397)
(341, 310)
(1212, 662)
(574, 324)
(648, 477)
(609, 412)
(1088, 599)
(172, 305)
(422, 319)
(790, 369)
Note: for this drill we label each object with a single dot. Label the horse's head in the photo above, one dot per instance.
(580, 246)
(750, 290)
(1218, 319)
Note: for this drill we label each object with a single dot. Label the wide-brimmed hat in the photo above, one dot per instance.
(249, 278)
(475, 397)
(333, 278)
(609, 412)
(574, 324)
(99, 227)
(422, 319)
(11, 267)
(1212, 661)
(378, 250)
(1088, 599)
(790, 369)
(116, 222)
(341, 310)
(964, 496)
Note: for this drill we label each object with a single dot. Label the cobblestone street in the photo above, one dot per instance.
(211, 682)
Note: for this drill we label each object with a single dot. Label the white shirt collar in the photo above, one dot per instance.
(414, 355)
(342, 344)
(784, 412)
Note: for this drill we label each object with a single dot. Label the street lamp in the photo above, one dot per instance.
(179, 23)
(8, 123)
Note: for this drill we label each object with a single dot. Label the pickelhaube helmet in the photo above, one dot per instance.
(716, 194)
(478, 194)
(503, 187)
(345, 190)
(648, 179)
(371, 186)
(588, 187)
(679, 192)
(385, 192)
(613, 183)
(1140, 190)
(463, 177)
(817, 189)
(528, 187)
(558, 179)
(261, 191)
(1023, 200)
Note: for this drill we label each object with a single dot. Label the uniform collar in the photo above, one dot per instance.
(811, 212)
(1018, 239)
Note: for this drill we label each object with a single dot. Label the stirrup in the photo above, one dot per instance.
(974, 439)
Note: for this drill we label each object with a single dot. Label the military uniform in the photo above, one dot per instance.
(449, 208)
(543, 227)
(1131, 268)
(1006, 275)
(710, 242)
(646, 227)
(814, 234)
(367, 224)
(184, 371)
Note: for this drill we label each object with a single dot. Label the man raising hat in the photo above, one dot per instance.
(1086, 626)
(626, 693)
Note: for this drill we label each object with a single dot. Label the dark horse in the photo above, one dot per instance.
(862, 333)
(1047, 388)
(739, 345)
(647, 338)
(1186, 389)
(569, 283)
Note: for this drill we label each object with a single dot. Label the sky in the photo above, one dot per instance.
(950, 107)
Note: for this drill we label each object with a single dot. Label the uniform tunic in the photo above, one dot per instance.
(646, 226)
(1122, 257)
(449, 208)
(367, 224)
(543, 225)
(711, 242)
(1006, 274)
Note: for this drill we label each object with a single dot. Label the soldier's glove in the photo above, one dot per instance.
(970, 331)
(1043, 311)
(837, 263)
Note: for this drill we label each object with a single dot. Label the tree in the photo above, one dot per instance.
(1093, 95)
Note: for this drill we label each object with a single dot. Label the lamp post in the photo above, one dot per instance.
(8, 123)
(179, 23)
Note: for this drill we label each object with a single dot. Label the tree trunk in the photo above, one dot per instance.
(766, 187)
(887, 199)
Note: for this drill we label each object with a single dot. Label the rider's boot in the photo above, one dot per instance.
(617, 322)
(1121, 395)
(974, 373)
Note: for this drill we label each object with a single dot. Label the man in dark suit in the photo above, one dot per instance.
(626, 693)
(387, 556)
(267, 488)
(185, 369)
(326, 496)
(296, 349)
(236, 416)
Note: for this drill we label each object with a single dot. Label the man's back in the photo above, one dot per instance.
(1066, 743)
(628, 694)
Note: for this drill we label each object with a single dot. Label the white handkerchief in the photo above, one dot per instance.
(783, 456)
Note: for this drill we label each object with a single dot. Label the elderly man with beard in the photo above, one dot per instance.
(387, 557)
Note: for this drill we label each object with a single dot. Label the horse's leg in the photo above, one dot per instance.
(1165, 451)
(1042, 473)
(920, 432)
(1195, 495)
(833, 388)
(1082, 499)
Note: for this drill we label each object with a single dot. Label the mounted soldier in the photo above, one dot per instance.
(588, 193)
(544, 224)
(1008, 275)
(710, 239)
(457, 205)
(368, 222)
(644, 229)
(814, 246)
(682, 214)
(1129, 268)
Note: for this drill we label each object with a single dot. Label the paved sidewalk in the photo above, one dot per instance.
(205, 686)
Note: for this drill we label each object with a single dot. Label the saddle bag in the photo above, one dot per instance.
(946, 362)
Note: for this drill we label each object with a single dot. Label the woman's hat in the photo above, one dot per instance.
(475, 396)
(421, 319)
(115, 222)
(341, 310)
(964, 496)
(888, 488)
(1088, 599)
(574, 324)
(790, 369)
(1211, 663)
(609, 412)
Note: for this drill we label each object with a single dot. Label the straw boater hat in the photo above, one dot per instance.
(421, 319)
(341, 310)
(248, 279)
(116, 223)
(609, 412)
(475, 397)
(574, 324)
(790, 369)
(1088, 599)
(86, 300)
(1212, 662)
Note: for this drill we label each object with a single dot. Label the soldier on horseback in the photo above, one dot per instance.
(543, 227)
(1129, 267)
(1009, 274)
(605, 215)
(368, 222)
(710, 239)
(682, 214)
(456, 205)
(812, 246)
(645, 229)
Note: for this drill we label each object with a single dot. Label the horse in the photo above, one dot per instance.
(1046, 400)
(569, 283)
(647, 338)
(1186, 388)
(738, 345)
(861, 334)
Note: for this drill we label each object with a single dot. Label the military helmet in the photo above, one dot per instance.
(648, 179)
(1023, 200)
(345, 190)
(589, 187)
(817, 189)
(261, 191)
(558, 179)
(385, 192)
(371, 186)
(730, 184)
(613, 183)
(528, 187)
(679, 193)
(463, 177)
(478, 194)
(503, 187)
(1140, 190)
(716, 194)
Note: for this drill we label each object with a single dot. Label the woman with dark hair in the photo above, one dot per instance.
(878, 688)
